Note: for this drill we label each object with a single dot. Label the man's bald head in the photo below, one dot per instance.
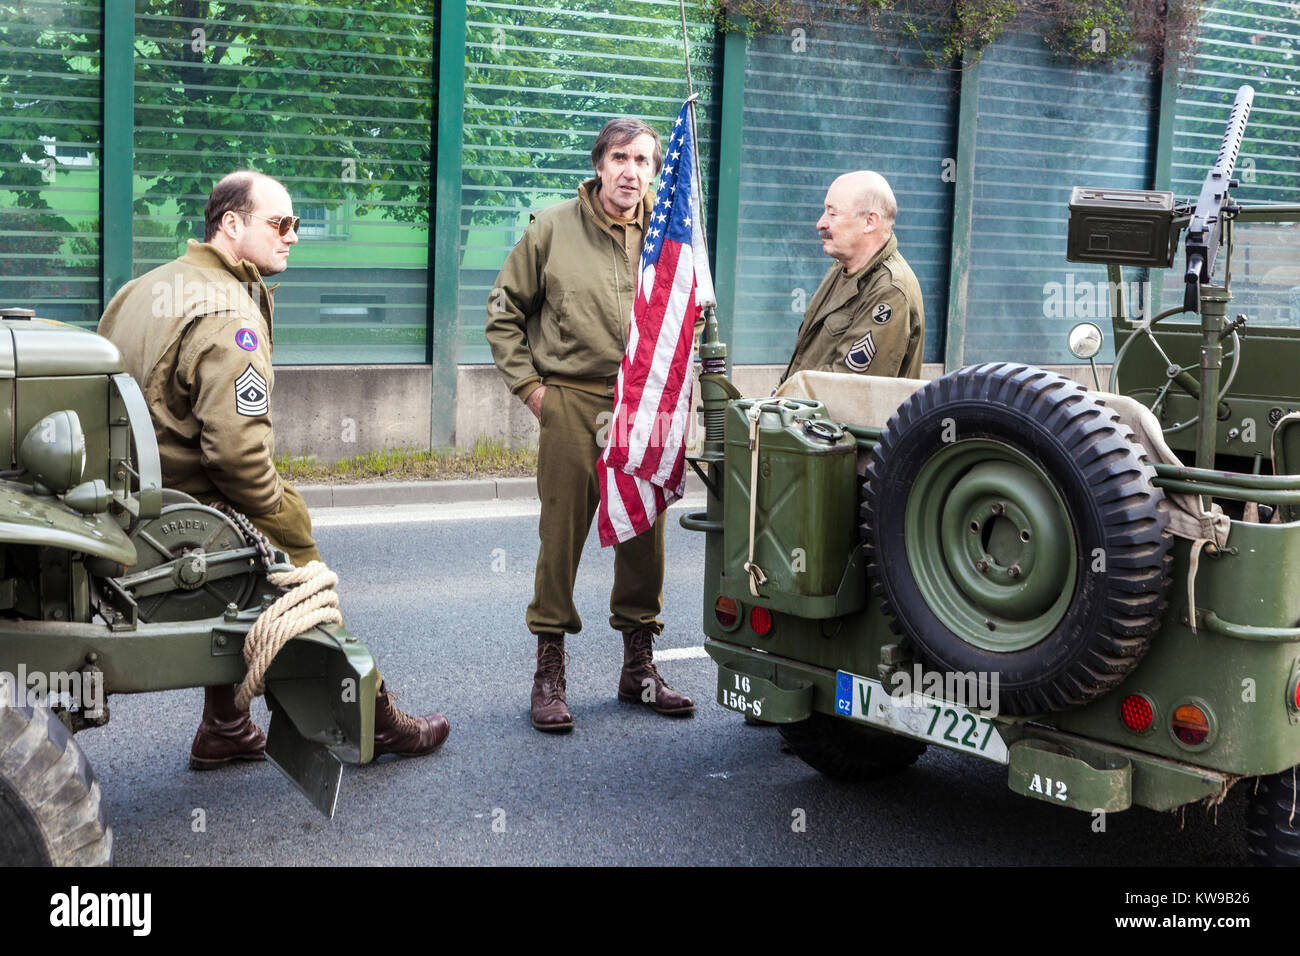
(243, 219)
(232, 193)
(857, 219)
(871, 194)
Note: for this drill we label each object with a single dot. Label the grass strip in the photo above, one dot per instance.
(484, 459)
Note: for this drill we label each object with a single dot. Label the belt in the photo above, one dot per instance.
(595, 386)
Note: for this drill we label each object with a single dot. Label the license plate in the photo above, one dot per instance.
(936, 721)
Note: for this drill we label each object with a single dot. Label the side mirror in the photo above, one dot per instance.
(1085, 340)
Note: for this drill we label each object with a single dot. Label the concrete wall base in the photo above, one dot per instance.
(331, 412)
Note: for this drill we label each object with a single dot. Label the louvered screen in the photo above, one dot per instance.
(336, 102)
(50, 146)
(1044, 127)
(1255, 42)
(822, 101)
(540, 81)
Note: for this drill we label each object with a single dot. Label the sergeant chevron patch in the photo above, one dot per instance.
(860, 354)
(251, 394)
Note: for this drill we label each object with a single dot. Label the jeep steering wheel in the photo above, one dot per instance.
(1172, 369)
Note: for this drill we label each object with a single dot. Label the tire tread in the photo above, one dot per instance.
(1132, 511)
(48, 777)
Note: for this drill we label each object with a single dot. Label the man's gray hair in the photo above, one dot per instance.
(619, 132)
(875, 196)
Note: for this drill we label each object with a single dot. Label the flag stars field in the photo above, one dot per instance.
(643, 464)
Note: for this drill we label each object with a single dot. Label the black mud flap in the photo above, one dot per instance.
(310, 766)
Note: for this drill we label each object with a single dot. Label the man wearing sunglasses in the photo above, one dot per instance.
(196, 335)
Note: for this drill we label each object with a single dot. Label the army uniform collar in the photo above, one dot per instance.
(587, 196)
(851, 283)
(207, 256)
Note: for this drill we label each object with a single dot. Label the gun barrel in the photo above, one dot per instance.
(1232, 136)
(1206, 225)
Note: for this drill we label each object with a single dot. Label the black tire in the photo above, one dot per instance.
(1062, 473)
(1272, 821)
(848, 751)
(50, 812)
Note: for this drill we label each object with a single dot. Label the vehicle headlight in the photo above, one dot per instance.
(54, 452)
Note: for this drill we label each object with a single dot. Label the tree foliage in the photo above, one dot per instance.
(335, 102)
(542, 79)
(951, 31)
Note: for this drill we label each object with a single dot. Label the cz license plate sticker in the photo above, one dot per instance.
(936, 721)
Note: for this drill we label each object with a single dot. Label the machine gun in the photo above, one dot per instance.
(1205, 230)
(1118, 227)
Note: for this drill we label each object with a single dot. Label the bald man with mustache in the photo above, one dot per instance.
(866, 317)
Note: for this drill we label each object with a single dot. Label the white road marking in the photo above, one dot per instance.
(680, 653)
(457, 511)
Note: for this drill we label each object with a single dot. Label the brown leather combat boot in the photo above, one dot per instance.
(397, 732)
(550, 711)
(226, 733)
(640, 681)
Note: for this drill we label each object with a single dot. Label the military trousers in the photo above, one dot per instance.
(574, 421)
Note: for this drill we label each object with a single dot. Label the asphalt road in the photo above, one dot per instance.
(439, 599)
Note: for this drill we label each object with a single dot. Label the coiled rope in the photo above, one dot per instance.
(311, 600)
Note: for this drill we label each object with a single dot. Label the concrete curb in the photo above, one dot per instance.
(372, 493)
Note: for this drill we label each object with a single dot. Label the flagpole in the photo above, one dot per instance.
(691, 98)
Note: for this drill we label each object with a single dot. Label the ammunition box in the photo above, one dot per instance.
(1127, 227)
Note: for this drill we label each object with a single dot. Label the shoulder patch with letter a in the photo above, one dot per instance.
(860, 354)
(882, 313)
(251, 394)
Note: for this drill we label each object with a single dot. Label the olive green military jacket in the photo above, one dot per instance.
(196, 335)
(872, 324)
(562, 304)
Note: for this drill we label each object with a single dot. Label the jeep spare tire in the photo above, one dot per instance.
(1014, 530)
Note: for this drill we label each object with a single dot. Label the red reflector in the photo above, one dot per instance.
(725, 610)
(1297, 695)
(1136, 713)
(760, 619)
(1190, 725)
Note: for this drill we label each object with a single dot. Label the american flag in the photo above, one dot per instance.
(643, 466)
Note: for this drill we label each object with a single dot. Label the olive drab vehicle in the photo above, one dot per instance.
(111, 584)
(1096, 589)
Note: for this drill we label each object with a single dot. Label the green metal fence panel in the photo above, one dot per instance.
(51, 126)
(825, 98)
(1046, 125)
(1255, 42)
(336, 102)
(541, 78)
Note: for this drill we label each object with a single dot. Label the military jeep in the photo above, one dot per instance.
(112, 584)
(1096, 589)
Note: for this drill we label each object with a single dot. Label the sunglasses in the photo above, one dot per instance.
(284, 224)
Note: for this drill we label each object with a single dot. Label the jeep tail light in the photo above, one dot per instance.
(760, 619)
(1296, 696)
(1190, 725)
(1136, 713)
(726, 611)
